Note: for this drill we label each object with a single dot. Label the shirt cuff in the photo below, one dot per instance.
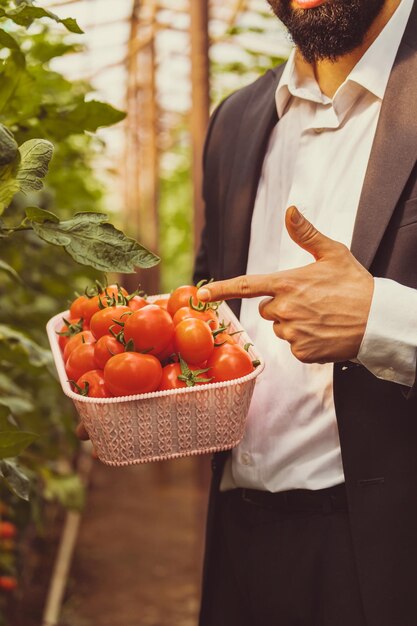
(389, 345)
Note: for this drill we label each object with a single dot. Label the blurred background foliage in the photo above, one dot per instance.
(39, 100)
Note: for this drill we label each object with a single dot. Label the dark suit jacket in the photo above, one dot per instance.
(377, 419)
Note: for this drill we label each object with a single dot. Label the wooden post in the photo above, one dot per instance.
(141, 168)
(200, 110)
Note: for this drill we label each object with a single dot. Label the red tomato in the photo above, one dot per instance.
(8, 530)
(137, 302)
(130, 373)
(85, 337)
(170, 378)
(92, 305)
(151, 329)
(181, 297)
(162, 302)
(229, 361)
(208, 316)
(77, 307)
(168, 352)
(103, 320)
(106, 347)
(223, 338)
(8, 583)
(193, 340)
(80, 361)
(75, 326)
(93, 383)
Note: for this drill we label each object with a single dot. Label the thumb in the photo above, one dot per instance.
(307, 236)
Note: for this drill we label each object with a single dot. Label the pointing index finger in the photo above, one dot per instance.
(249, 286)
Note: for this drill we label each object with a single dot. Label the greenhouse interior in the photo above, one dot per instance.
(208, 305)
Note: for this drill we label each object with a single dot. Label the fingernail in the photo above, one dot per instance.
(296, 216)
(203, 294)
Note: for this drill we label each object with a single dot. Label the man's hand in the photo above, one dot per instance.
(81, 432)
(320, 309)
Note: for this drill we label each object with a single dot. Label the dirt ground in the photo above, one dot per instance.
(139, 552)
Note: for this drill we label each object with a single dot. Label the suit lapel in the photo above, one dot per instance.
(257, 123)
(394, 151)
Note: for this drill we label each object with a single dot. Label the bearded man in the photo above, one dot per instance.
(313, 517)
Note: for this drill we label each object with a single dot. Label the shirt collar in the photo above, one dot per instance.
(372, 71)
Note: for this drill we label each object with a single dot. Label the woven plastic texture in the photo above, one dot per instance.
(164, 424)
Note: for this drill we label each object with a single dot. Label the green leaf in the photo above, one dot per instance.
(13, 442)
(35, 157)
(85, 116)
(15, 478)
(10, 76)
(7, 41)
(26, 13)
(16, 404)
(91, 240)
(8, 146)
(26, 172)
(68, 490)
(16, 342)
(35, 214)
(9, 185)
(5, 267)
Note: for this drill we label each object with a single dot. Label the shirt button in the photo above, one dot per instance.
(246, 458)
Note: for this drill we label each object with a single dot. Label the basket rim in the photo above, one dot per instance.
(59, 364)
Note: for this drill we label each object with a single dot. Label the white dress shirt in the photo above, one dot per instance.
(316, 160)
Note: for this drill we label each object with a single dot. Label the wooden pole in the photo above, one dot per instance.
(200, 110)
(142, 168)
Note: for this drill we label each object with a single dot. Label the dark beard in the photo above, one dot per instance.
(328, 31)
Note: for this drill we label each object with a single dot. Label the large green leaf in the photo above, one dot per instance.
(13, 442)
(91, 240)
(12, 70)
(15, 478)
(7, 41)
(85, 116)
(26, 13)
(27, 170)
(8, 146)
(21, 345)
(35, 157)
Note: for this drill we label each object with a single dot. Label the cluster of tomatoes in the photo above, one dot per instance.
(8, 534)
(116, 344)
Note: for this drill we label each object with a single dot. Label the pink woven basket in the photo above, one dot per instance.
(164, 424)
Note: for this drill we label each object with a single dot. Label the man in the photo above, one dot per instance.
(313, 518)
